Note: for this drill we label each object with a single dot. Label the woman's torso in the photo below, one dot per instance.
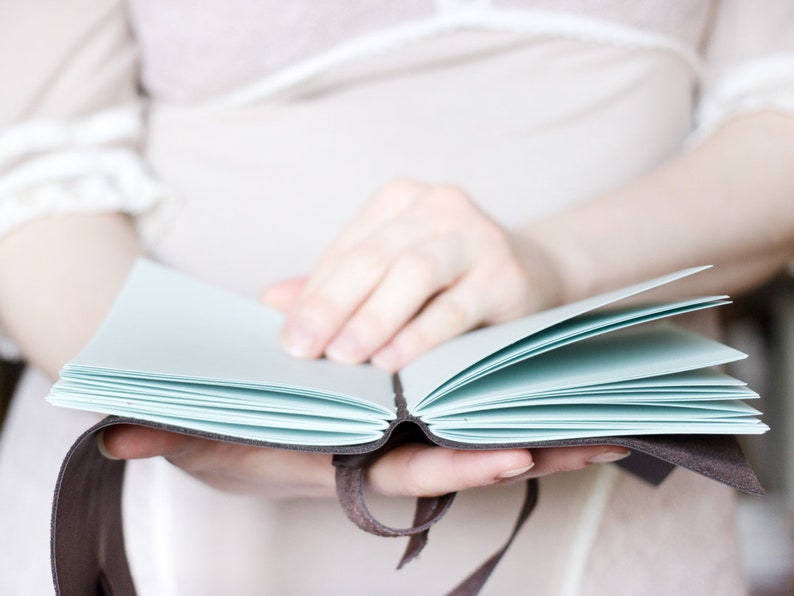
(525, 121)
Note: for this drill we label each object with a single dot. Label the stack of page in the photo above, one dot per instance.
(181, 353)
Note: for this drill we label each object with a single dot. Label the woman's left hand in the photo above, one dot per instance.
(418, 266)
(409, 470)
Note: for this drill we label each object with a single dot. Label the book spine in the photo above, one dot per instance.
(399, 398)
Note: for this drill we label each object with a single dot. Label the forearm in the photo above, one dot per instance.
(58, 278)
(728, 202)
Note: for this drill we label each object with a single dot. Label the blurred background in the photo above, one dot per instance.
(762, 325)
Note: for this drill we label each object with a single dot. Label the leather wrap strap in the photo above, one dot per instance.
(350, 473)
(87, 544)
(474, 582)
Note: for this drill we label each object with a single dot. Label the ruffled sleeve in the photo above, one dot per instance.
(71, 121)
(749, 62)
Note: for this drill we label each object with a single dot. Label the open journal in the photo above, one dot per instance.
(181, 353)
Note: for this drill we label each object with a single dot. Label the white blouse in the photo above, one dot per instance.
(69, 126)
(292, 113)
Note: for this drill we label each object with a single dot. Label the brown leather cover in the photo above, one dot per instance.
(88, 556)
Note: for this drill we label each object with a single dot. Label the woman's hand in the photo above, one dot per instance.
(410, 470)
(419, 265)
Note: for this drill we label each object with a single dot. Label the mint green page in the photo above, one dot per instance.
(636, 355)
(431, 370)
(541, 398)
(570, 331)
(213, 395)
(166, 329)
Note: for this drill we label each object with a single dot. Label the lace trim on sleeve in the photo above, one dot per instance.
(85, 182)
(79, 182)
(761, 84)
(58, 167)
(40, 136)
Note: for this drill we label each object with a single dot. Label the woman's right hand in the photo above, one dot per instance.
(420, 264)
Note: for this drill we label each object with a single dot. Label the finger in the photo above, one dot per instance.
(449, 314)
(422, 470)
(568, 459)
(494, 290)
(227, 466)
(413, 278)
(319, 314)
(386, 205)
(137, 442)
(284, 294)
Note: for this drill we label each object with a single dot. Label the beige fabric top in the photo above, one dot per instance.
(266, 37)
(527, 120)
(63, 147)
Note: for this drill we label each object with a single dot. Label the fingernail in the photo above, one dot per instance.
(345, 348)
(609, 456)
(298, 340)
(515, 472)
(100, 443)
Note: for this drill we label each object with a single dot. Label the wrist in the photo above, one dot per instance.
(542, 271)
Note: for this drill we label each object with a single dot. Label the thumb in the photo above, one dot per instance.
(283, 294)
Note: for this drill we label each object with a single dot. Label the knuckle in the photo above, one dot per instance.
(369, 256)
(513, 278)
(447, 199)
(456, 313)
(370, 323)
(398, 187)
(415, 339)
(418, 268)
(402, 183)
(455, 207)
(565, 460)
(512, 268)
(321, 310)
(504, 273)
(450, 194)
(493, 235)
